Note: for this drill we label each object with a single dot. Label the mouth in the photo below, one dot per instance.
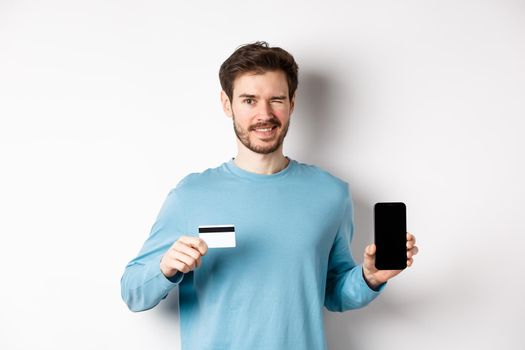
(265, 131)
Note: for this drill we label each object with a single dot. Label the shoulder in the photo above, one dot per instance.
(319, 174)
(196, 180)
(323, 178)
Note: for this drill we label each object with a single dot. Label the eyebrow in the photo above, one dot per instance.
(279, 97)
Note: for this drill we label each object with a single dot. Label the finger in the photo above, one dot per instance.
(411, 238)
(195, 242)
(186, 259)
(370, 250)
(203, 248)
(410, 262)
(181, 247)
(189, 240)
(412, 252)
(200, 245)
(369, 257)
(199, 262)
(179, 266)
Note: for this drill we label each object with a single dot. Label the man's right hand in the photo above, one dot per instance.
(184, 256)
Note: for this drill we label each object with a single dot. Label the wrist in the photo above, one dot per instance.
(370, 280)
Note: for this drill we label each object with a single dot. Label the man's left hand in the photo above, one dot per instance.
(375, 277)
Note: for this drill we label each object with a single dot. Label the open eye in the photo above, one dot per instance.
(249, 101)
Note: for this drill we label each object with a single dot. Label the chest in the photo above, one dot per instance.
(270, 220)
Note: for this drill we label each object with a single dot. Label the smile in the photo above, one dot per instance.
(265, 128)
(265, 132)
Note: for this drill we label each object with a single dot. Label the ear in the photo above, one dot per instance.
(226, 104)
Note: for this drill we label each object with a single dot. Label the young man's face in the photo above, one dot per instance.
(260, 110)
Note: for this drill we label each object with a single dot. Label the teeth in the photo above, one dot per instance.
(266, 129)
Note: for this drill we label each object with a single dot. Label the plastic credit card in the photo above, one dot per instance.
(218, 236)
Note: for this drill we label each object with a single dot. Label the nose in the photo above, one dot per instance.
(265, 109)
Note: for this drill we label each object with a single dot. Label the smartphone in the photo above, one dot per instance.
(390, 235)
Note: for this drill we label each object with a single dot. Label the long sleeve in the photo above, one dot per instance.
(143, 285)
(345, 286)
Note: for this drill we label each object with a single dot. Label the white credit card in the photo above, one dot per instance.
(218, 236)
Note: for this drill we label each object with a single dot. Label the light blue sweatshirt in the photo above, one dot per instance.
(292, 257)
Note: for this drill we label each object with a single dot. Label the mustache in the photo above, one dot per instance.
(266, 124)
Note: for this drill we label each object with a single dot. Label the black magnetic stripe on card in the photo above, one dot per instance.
(217, 229)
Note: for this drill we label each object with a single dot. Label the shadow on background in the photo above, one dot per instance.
(314, 120)
(320, 127)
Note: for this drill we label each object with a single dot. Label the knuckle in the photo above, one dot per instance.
(182, 267)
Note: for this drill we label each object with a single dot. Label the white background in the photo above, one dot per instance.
(106, 105)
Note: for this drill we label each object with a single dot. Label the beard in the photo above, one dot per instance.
(244, 135)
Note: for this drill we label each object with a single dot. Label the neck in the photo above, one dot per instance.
(265, 164)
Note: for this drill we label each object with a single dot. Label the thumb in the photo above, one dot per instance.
(369, 262)
(370, 251)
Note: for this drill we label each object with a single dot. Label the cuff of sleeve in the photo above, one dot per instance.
(176, 278)
(377, 290)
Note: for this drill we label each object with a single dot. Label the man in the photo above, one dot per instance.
(293, 226)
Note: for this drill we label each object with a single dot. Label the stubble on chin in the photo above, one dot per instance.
(244, 137)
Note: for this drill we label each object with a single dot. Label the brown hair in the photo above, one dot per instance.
(259, 58)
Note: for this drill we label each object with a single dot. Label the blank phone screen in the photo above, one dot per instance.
(390, 235)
